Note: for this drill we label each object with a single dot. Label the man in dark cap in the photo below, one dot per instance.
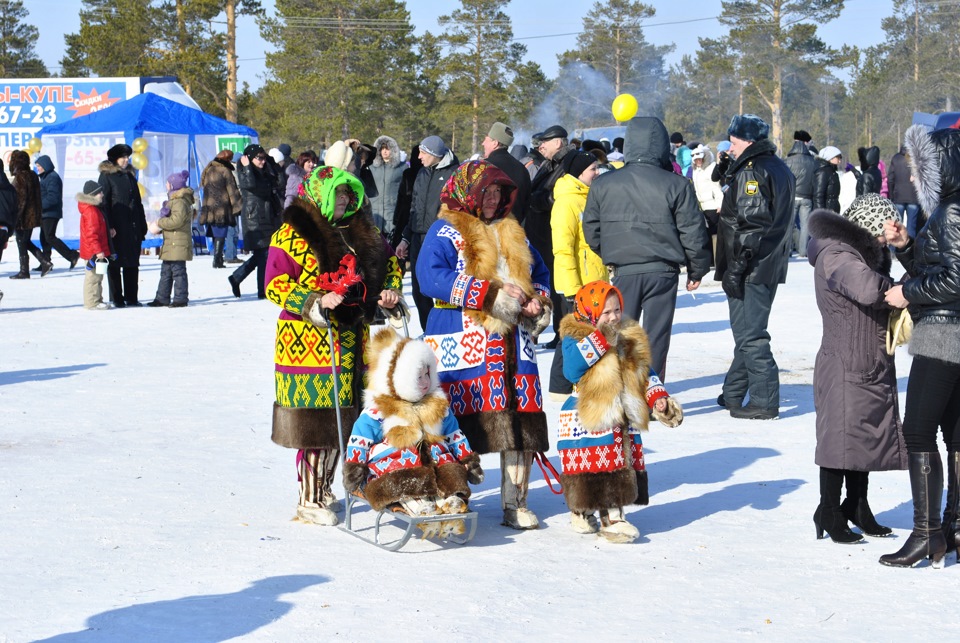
(553, 146)
(645, 223)
(495, 146)
(803, 164)
(753, 247)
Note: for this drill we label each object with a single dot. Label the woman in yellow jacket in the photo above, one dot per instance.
(574, 263)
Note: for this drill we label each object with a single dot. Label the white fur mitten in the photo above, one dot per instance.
(672, 416)
(314, 315)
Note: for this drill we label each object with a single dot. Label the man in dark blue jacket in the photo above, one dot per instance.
(51, 199)
(753, 249)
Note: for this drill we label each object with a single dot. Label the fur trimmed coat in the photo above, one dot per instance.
(305, 251)
(29, 204)
(485, 348)
(124, 210)
(601, 452)
(854, 380)
(401, 449)
(221, 197)
(94, 235)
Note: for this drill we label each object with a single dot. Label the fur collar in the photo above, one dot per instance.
(106, 167)
(825, 224)
(87, 198)
(924, 165)
(329, 244)
(496, 252)
(183, 193)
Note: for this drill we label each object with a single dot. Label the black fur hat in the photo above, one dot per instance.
(748, 127)
(118, 151)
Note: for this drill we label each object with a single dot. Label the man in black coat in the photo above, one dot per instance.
(753, 249)
(803, 164)
(645, 221)
(495, 146)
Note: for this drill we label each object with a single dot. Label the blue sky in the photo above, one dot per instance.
(536, 24)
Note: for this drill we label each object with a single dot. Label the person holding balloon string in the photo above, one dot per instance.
(125, 216)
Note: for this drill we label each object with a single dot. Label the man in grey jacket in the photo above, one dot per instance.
(645, 222)
(804, 165)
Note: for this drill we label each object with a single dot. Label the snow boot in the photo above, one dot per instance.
(452, 505)
(856, 509)
(313, 468)
(24, 268)
(614, 527)
(584, 523)
(926, 540)
(514, 482)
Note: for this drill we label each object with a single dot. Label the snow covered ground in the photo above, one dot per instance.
(141, 499)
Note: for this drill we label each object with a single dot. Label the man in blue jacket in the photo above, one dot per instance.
(51, 200)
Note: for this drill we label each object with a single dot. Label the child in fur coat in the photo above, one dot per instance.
(406, 447)
(601, 453)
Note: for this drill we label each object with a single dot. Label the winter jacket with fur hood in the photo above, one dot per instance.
(27, 186)
(405, 444)
(94, 234)
(854, 380)
(124, 210)
(574, 263)
(387, 177)
(643, 218)
(221, 197)
(51, 190)
(933, 259)
(177, 227)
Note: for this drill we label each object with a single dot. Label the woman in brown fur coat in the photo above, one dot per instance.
(27, 185)
(601, 453)
(221, 202)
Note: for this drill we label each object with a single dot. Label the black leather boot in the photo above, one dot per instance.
(828, 516)
(24, 268)
(926, 540)
(218, 253)
(951, 514)
(856, 509)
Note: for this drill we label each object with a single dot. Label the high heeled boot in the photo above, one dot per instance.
(926, 540)
(828, 516)
(856, 509)
(951, 514)
(218, 253)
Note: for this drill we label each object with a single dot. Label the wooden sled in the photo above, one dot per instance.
(404, 521)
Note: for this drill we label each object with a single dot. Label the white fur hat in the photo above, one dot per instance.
(394, 365)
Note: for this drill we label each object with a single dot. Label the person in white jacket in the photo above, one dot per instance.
(709, 192)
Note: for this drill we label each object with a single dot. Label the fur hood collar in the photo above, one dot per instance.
(394, 151)
(182, 193)
(827, 227)
(106, 167)
(935, 164)
(88, 199)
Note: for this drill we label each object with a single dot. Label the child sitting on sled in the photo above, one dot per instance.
(406, 447)
(601, 453)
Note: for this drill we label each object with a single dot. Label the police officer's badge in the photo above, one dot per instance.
(751, 188)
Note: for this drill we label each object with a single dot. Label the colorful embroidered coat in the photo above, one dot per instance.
(304, 259)
(487, 365)
(601, 452)
(406, 443)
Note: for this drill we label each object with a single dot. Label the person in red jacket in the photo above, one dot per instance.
(94, 243)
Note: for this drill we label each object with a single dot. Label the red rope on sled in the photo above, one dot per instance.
(544, 463)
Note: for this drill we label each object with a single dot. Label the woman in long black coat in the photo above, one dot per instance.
(128, 224)
(261, 215)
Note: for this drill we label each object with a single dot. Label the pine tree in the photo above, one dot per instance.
(116, 38)
(18, 58)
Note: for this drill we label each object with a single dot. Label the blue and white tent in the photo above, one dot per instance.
(178, 137)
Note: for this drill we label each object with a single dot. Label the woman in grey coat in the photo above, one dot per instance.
(854, 380)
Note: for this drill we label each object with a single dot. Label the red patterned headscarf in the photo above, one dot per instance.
(464, 190)
(590, 300)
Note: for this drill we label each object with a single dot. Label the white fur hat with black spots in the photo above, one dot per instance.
(395, 363)
(869, 211)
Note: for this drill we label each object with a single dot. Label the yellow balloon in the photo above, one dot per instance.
(139, 144)
(624, 107)
(139, 160)
(34, 145)
(143, 190)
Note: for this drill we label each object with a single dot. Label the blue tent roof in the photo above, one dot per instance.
(148, 113)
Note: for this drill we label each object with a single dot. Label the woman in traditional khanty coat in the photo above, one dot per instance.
(492, 299)
(326, 262)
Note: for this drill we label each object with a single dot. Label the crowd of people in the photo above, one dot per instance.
(590, 238)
